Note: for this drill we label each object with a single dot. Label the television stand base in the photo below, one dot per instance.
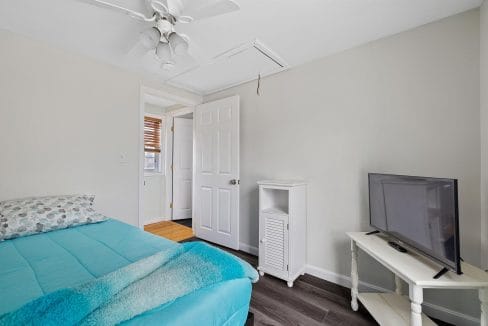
(441, 272)
(372, 232)
(397, 247)
(417, 271)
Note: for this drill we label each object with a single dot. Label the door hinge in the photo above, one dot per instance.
(288, 226)
(286, 267)
(170, 205)
(173, 128)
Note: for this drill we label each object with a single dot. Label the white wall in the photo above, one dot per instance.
(484, 129)
(64, 121)
(405, 104)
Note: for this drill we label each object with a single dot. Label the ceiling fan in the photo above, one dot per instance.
(162, 37)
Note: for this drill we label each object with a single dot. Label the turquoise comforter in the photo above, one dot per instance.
(172, 280)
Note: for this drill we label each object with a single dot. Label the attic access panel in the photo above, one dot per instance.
(233, 67)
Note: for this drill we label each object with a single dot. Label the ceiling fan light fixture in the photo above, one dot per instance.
(178, 44)
(160, 40)
(163, 51)
(164, 26)
(150, 38)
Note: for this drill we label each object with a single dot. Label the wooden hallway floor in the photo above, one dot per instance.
(170, 230)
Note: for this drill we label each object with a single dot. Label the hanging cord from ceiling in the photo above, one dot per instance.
(258, 89)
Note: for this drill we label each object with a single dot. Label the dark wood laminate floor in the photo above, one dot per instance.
(186, 222)
(311, 301)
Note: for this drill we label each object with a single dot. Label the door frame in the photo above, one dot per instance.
(147, 95)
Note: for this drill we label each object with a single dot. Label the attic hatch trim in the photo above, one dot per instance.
(257, 44)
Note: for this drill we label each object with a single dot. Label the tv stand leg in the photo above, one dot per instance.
(354, 276)
(416, 297)
(398, 285)
(483, 295)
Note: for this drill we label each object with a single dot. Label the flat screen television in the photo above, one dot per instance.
(420, 212)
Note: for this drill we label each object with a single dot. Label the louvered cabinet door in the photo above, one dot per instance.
(273, 248)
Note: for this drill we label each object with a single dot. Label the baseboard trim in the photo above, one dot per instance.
(341, 279)
(155, 220)
(249, 249)
(448, 315)
(438, 312)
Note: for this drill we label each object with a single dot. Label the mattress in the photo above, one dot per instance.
(35, 265)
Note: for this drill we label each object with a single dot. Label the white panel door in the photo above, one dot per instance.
(182, 168)
(216, 193)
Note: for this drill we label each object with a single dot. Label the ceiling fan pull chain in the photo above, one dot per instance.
(259, 85)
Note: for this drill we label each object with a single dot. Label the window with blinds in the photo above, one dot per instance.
(152, 135)
(152, 144)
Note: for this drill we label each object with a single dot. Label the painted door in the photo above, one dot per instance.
(182, 168)
(216, 193)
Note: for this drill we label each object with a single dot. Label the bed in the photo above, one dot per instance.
(36, 265)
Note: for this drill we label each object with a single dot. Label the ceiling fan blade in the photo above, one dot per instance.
(120, 9)
(197, 10)
(160, 6)
(172, 7)
(175, 7)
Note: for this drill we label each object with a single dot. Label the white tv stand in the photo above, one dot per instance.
(418, 272)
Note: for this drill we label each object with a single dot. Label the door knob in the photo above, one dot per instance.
(235, 182)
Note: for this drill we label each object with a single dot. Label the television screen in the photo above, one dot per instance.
(419, 211)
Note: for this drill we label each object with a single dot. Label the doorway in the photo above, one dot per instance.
(177, 224)
(154, 162)
(200, 167)
(166, 160)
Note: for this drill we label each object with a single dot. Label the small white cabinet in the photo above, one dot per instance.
(282, 228)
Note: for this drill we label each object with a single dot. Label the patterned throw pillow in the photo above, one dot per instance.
(21, 217)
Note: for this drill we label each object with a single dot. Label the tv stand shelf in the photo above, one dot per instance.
(418, 272)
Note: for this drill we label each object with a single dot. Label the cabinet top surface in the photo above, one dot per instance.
(415, 268)
(283, 183)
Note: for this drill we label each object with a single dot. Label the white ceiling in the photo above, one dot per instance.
(297, 31)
